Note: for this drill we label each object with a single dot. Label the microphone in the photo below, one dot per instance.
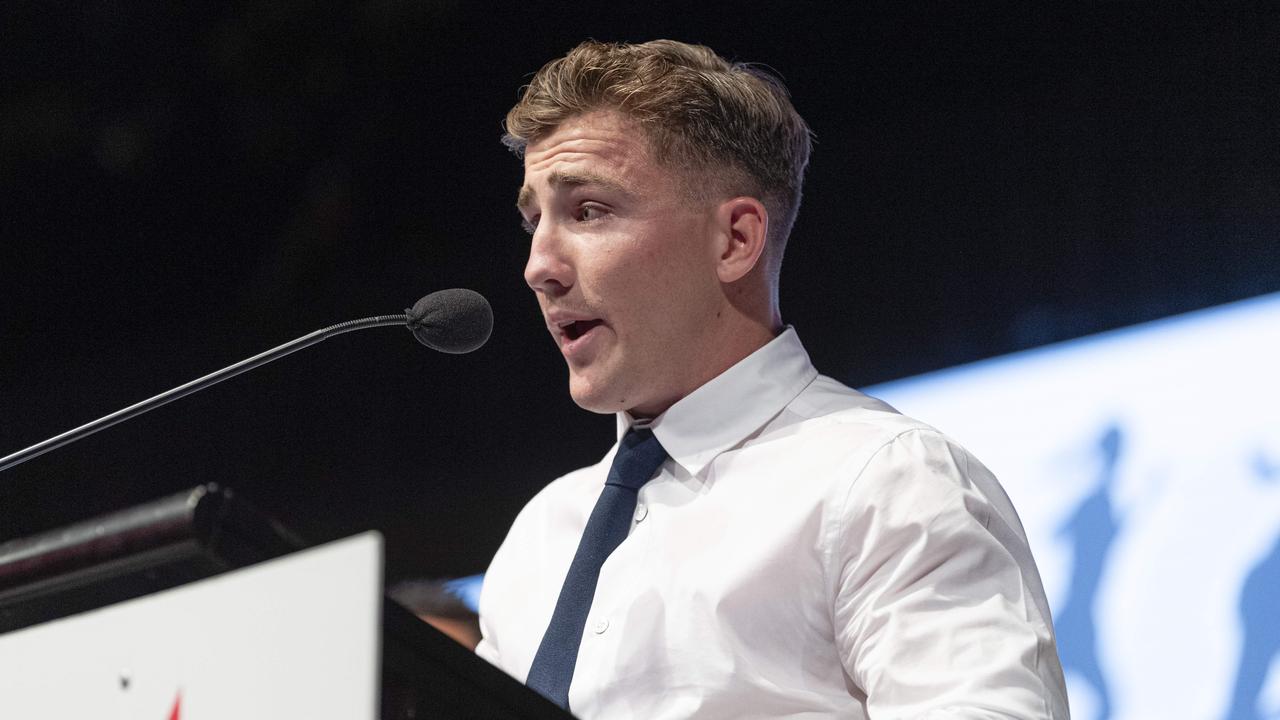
(452, 321)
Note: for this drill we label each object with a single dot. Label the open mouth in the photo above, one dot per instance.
(577, 329)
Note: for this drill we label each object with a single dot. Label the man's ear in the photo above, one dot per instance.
(743, 223)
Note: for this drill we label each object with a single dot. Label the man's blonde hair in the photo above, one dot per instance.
(730, 126)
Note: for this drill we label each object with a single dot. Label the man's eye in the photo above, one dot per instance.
(529, 226)
(590, 211)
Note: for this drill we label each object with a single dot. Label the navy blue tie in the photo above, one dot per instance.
(639, 456)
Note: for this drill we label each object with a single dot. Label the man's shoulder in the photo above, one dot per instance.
(892, 458)
(847, 431)
(827, 405)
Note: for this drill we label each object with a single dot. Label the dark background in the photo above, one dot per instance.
(184, 187)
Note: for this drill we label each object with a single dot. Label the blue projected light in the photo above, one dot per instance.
(1145, 464)
(467, 589)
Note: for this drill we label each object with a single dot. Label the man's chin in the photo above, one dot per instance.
(592, 397)
(595, 405)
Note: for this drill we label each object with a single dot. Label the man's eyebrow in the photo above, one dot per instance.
(559, 178)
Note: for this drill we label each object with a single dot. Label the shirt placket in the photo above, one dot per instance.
(621, 580)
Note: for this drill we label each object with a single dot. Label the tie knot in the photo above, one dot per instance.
(639, 457)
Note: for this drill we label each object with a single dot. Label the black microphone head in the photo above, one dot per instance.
(452, 321)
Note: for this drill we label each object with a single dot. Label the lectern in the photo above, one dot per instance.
(197, 607)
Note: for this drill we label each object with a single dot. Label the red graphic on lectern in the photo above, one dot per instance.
(176, 712)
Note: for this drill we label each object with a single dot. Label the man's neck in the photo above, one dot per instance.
(735, 341)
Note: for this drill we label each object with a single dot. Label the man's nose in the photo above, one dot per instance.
(550, 268)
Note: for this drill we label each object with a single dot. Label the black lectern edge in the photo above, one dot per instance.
(206, 531)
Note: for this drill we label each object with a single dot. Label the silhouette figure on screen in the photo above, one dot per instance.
(1260, 620)
(1092, 529)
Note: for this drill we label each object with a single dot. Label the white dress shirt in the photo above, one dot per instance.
(804, 552)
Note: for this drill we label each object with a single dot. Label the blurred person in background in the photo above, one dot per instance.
(435, 602)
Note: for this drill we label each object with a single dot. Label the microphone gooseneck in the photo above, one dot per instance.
(451, 321)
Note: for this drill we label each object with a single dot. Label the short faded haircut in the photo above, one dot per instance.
(730, 127)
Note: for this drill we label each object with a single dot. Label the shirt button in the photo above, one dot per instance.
(600, 626)
(642, 511)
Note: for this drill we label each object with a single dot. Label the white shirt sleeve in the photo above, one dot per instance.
(938, 608)
(488, 651)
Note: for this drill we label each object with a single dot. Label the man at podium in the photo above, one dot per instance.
(762, 541)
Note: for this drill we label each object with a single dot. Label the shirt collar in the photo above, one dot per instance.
(731, 406)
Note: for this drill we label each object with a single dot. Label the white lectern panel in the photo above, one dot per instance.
(295, 637)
